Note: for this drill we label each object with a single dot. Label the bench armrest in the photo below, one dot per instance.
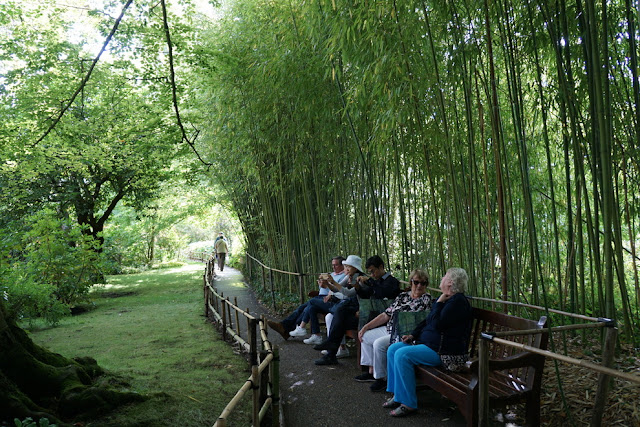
(516, 361)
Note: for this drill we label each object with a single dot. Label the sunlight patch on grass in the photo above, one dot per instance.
(111, 286)
(148, 327)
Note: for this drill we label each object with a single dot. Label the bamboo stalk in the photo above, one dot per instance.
(608, 354)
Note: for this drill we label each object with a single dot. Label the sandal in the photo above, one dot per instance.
(402, 411)
(390, 403)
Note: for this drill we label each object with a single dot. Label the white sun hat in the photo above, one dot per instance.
(354, 261)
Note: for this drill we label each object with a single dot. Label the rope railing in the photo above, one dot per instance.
(264, 380)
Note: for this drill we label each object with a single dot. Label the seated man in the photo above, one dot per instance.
(294, 324)
(380, 285)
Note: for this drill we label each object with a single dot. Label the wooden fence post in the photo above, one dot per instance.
(252, 325)
(224, 320)
(264, 381)
(235, 302)
(206, 295)
(255, 379)
(483, 380)
(608, 352)
(264, 280)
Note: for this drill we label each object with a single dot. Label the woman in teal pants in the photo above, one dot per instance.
(445, 331)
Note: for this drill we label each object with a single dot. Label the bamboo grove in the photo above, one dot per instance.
(500, 136)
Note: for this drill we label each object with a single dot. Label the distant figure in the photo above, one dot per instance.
(221, 249)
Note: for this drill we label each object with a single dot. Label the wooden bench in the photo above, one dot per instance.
(515, 376)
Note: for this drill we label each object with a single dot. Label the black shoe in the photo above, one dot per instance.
(327, 360)
(379, 385)
(327, 345)
(363, 378)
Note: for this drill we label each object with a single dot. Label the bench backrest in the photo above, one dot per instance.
(486, 320)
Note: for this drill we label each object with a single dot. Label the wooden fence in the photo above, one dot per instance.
(199, 256)
(264, 382)
(604, 370)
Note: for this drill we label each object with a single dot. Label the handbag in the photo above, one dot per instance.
(404, 322)
(454, 362)
(370, 308)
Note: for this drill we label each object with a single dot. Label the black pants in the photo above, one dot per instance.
(221, 257)
(344, 318)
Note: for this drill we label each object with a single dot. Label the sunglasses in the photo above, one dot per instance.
(418, 282)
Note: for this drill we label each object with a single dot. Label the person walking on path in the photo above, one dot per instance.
(221, 249)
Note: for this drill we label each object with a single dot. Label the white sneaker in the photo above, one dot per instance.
(299, 331)
(313, 339)
(324, 352)
(342, 352)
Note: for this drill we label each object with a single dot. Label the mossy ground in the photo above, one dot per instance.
(149, 328)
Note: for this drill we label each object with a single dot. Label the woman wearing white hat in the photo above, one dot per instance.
(342, 292)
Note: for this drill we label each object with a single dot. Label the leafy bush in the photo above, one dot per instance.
(28, 299)
(28, 422)
(52, 268)
(61, 255)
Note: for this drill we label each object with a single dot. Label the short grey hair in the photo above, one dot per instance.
(459, 279)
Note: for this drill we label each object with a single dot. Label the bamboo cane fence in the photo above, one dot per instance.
(264, 382)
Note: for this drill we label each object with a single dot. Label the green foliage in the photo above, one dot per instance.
(168, 353)
(61, 255)
(52, 269)
(391, 128)
(28, 422)
(28, 299)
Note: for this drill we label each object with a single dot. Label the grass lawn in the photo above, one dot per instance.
(149, 328)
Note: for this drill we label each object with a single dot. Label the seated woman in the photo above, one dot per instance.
(340, 293)
(445, 331)
(376, 336)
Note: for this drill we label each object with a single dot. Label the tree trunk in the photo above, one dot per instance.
(37, 383)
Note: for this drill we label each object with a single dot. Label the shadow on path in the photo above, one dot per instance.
(328, 395)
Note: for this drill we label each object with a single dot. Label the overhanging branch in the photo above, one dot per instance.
(174, 92)
(87, 76)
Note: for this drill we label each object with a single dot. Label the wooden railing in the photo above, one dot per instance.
(199, 256)
(264, 382)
